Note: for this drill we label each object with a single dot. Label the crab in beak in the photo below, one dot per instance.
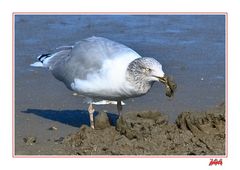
(170, 85)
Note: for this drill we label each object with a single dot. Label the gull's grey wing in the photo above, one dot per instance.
(86, 56)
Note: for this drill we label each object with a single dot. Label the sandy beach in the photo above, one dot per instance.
(138, 133)
(50, 120)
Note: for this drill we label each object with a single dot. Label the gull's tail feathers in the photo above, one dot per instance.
(43, 60)
(50, 60)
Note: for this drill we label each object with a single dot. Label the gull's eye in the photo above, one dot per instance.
(147, 70)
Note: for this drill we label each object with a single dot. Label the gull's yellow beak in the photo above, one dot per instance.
(163, 79)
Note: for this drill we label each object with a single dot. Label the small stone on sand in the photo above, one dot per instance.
(30, 140)
(53, 128)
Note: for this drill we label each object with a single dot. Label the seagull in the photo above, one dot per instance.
(102, 69)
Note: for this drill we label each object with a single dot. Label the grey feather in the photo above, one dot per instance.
(83, 58)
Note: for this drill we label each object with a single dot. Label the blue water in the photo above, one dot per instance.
(191, 48)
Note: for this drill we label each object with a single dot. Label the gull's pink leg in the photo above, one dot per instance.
(91, 111)
(119, 107)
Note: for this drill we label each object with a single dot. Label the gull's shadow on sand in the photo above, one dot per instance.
(75, 118)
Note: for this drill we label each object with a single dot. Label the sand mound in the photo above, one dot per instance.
(150, 133)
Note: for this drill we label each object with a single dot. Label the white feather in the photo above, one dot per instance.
(110, 81)
(37, 64)
(104, 102)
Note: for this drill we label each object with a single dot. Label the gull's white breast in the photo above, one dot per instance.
(110, 81)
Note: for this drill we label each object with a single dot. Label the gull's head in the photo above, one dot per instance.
(143, 72)
(147, 69)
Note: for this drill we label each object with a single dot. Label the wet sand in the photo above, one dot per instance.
(150, 133)
(139, 133)
(191, 49)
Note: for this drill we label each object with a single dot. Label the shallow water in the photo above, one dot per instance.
(191, 48)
